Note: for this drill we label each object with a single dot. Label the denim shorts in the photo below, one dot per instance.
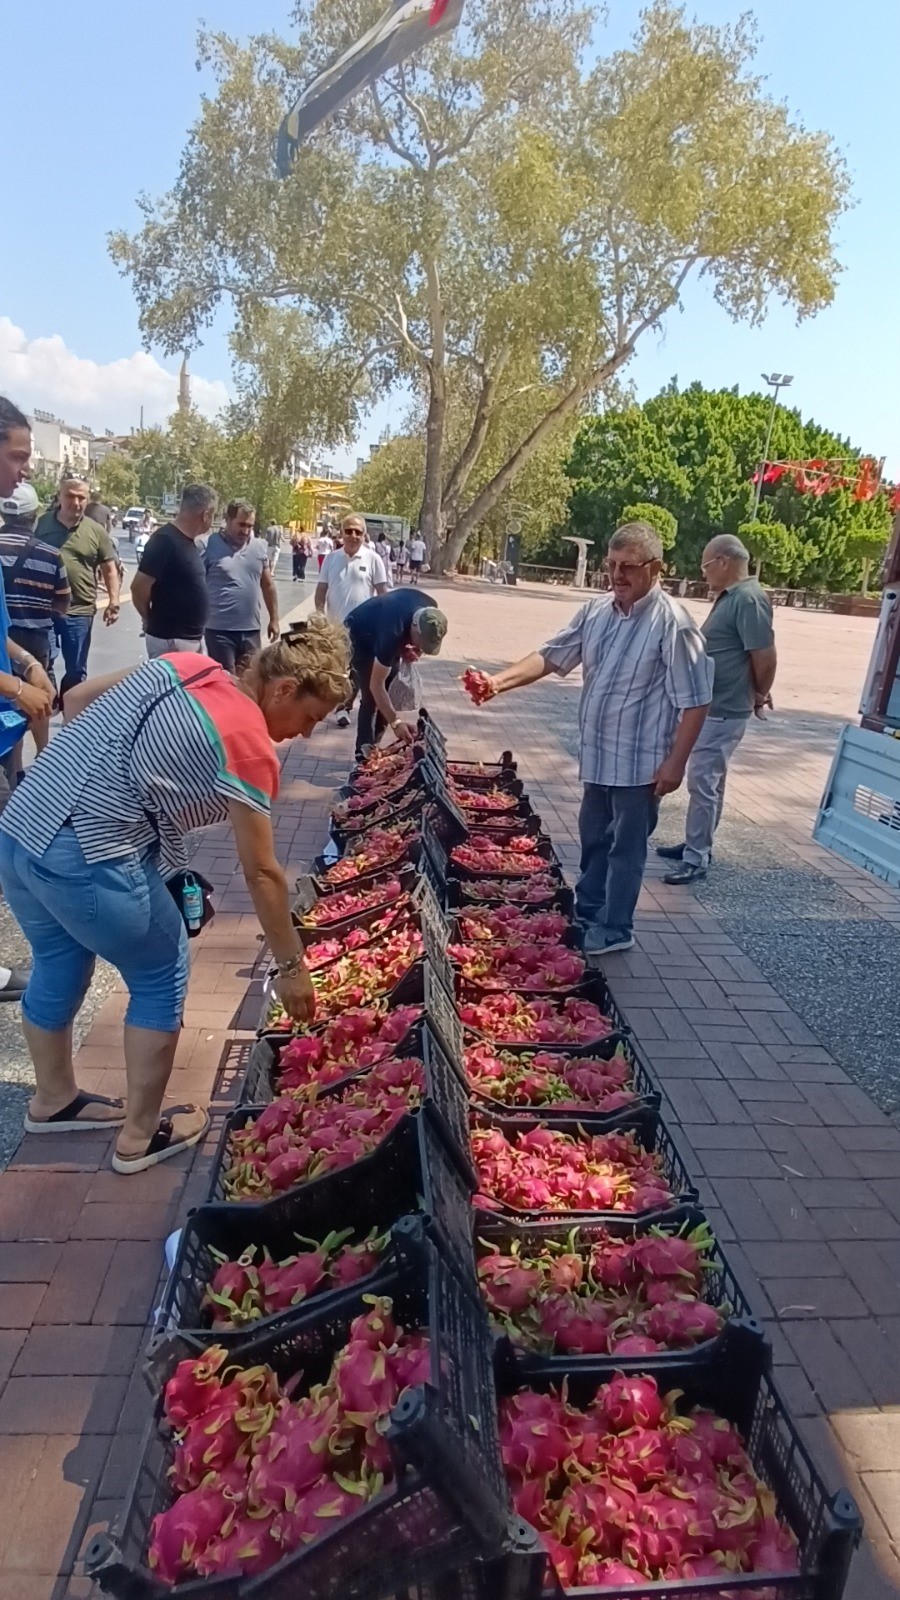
(71, 911)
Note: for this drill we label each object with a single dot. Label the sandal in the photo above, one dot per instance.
(165, 1143)
(68, 1120)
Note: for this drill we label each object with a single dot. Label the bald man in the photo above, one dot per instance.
(741, 641)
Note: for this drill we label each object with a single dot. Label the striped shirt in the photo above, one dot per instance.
(641, 670)
(40, 585)
(139, 767)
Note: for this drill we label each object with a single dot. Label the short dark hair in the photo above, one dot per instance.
(11, 417)
(235, 507)
(197, 497)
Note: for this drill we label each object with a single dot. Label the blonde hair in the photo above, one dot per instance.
(316, 654)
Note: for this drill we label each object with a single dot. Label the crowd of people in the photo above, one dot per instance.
(93, 860)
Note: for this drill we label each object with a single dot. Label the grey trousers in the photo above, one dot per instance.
(708, 764)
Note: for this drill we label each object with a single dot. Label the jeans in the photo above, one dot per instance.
(71, 911)
(708, 764)
(73, 635)
(370, 724)
(614, 825)
(231, 647)
(40, 642)
(299, 565)
(166, 647)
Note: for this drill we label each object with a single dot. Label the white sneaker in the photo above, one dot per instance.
(596, 952)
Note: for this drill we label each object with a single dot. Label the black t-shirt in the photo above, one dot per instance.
(179, 604)
(380, 627)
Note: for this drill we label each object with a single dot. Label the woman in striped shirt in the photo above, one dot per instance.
(89, 839)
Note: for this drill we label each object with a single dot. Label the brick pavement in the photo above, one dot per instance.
(791, 1157)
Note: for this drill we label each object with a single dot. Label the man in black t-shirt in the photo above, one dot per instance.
(404, 622)
(169, 588)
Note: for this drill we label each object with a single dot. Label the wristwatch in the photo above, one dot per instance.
(290, 968)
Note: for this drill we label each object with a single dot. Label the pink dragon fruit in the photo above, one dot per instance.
(365, 1383)
(245, 1545)
(629, 1402)
(194, 1386)
(356, 1261)
(614, 1575)
(683, 1322)
(634, 1344)
(294, 1453)
(181, 1534)
(320, 1508)
(507, 1285)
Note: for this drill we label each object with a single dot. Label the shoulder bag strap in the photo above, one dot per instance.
(197, 677)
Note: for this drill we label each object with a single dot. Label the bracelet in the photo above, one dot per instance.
(19, 687)
(290, 968)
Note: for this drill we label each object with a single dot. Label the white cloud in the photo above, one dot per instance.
(45, 374)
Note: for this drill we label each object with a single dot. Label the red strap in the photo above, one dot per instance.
(437, 11)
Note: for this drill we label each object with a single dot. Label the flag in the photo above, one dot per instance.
(404, 28)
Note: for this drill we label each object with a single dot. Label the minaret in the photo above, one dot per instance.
(184, 387)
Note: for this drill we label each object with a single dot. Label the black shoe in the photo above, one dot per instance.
(670, 852)
(16, 984)
(686, 873)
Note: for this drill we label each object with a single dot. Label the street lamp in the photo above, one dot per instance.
(776, 381)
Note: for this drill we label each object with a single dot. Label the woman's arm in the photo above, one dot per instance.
(82, 694)
(269, 891)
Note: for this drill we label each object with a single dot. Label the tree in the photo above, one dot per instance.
(497, 223)
(118, 480)
(776, 548)
(694, 452)
(658, 518)
(391, 480)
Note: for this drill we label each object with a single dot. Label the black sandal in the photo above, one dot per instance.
(68, 1121)
(165, 1143)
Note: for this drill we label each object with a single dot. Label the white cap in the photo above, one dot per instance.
(23, 502)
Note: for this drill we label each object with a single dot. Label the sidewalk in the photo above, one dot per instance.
(791, 1156)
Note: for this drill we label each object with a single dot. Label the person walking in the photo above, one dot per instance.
(382, 632)
(88, 555)
(273, 545)
(383, 549)
(301, 551)
(349, 576)
(740, 639)
(647, 690)
(416, 556)
(37, 591)
(324, 545)
(28, 689)
(238, 582)
(93, 843)
(169, 588)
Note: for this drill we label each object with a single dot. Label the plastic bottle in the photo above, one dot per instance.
(192, 903)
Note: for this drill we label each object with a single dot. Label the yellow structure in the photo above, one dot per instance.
(320, 497)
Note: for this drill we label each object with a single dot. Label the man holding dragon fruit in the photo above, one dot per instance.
(647, 690)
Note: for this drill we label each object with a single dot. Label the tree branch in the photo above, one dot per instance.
(392, 143)
(474, 445)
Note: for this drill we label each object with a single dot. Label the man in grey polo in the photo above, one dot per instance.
(741, 641)
(237, 579)
(647, 687)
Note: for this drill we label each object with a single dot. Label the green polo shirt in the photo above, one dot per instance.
(740, 620)
(83, 548)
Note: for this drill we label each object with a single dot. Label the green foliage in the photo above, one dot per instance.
(117, 479)
(693, 452)
(779, 553)
(391, 480)
(44, 487)
(658, 518)
(191, 449)
(496, 224)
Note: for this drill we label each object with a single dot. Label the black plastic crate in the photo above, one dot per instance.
(419, 901)
(408, 856)
(483, 774)
(448, 1503)
(411, 1173)
(349, 835)
(720, 1288)
(593, 987)
(736, 1384)
(364, 919)
(500, 825)
(461, 895)
(512, 788)
(649, 1130)
(640, 1081)
(409, 990)
(445, 1088)
(543, 850)
(395, 788)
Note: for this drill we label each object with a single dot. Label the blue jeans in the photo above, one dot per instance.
(73, 635)
(71, 911)
(614, 825)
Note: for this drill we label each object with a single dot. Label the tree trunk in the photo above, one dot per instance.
(431, 522)
(866, 574)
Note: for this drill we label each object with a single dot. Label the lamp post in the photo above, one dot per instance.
(776, 381)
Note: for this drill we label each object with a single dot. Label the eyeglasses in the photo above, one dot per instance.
(705, 564)
(626, 568)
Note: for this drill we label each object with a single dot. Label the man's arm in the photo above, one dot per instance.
(530, 669)
(763, 664)
(319, 596)
(109, 572)
(669, 775)
(378, 690)
(33, 693)
(270, 596)
(141, 590)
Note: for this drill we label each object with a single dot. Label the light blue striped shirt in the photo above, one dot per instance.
(640, 672)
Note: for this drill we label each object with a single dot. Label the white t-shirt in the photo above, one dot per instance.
(417, 549)
(324, 545)
(350, 582)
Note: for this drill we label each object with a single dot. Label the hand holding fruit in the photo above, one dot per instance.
(478, 685)
(297, 994)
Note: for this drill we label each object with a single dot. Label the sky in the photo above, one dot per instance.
(106, 93)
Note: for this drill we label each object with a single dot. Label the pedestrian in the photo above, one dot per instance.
(349, 576)
(401, 563)
(238, 579)
(88, 555)
(383, 549)
(169, 587)
(383, 631)
(301, 550)
(324, 545)
(98, 512)
(273, 545)
(37, 591)
(416, 556)
(647, 689)
(27, 689)
(740, 639)
(93, 842)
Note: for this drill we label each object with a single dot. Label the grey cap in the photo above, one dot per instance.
(23, 502)
(432, 629)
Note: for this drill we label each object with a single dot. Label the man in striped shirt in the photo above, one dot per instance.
(647, 689)
(37, 590)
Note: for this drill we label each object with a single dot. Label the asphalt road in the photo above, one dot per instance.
(112, 648)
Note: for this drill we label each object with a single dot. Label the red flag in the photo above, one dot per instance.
(437, 11)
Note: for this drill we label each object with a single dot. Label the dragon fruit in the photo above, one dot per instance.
(298, 1448)
(245, 1545)
(181, 1534)
(683, 1322)
(628, 1402)
(319, 1508)
(194, 1386)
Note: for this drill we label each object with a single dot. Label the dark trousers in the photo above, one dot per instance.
(73, 635)
(300, 561)
(231, 647)
(370, 724)
(614, 825)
